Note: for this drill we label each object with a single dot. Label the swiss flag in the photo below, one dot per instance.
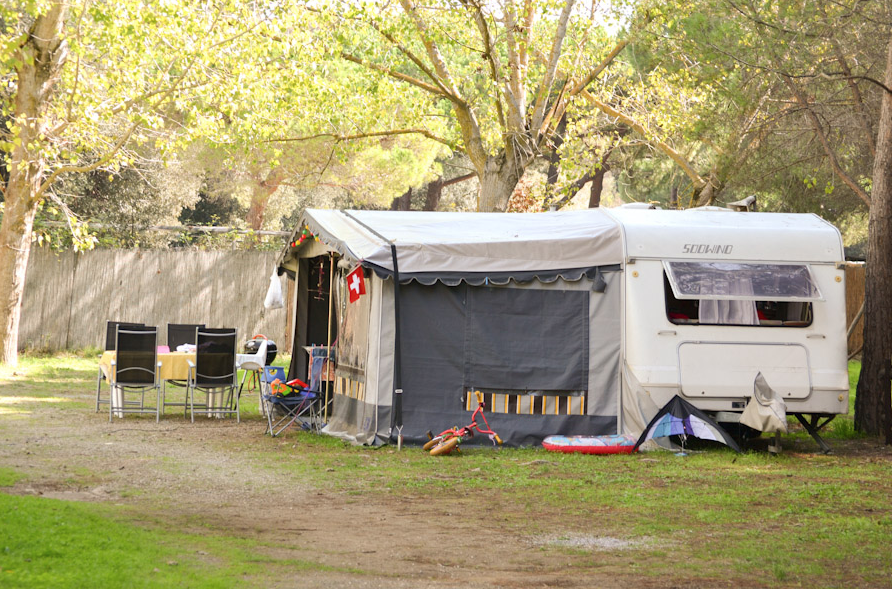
(355, 284)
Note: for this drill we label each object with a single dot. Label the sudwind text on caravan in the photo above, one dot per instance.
(706, 248)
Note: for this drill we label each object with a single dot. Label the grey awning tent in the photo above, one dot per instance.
(445, 245)
(524, 307)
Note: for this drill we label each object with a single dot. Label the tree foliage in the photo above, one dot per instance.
(502, 76)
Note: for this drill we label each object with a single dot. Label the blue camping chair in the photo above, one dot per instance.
(289, 404)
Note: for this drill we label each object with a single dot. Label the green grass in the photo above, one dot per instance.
(798, 519)
(59, 544)
(9, 477)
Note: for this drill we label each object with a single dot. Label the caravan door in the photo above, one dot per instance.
(717, 369)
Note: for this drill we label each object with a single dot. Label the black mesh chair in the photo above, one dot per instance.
(181, 333)
(177, 335)
(111, 328)
(134, 370)
(214, 374)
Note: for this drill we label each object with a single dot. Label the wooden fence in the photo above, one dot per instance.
(70, 296)
(854, 300)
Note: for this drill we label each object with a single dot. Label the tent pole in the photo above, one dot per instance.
(397, 417)
(327, 369)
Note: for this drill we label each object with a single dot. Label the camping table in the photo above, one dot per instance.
(174, 366)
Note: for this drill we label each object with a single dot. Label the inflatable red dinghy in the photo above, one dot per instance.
(615, 444)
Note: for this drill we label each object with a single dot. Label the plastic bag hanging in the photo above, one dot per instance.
(274, 298)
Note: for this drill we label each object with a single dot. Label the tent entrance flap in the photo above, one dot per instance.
(729, 369)
(527, 349)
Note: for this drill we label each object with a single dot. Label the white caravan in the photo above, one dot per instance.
(714, 297)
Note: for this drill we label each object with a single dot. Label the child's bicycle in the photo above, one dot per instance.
(447, 441)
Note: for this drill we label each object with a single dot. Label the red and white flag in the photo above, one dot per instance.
(355, 284)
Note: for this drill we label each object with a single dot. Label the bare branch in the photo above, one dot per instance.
(397, 75)
(433, 50)
(856, 96)
(87, 168)
(696, 178)
(342, 137)
(412, 57)
(825, 143)
(514, 64)
(467, 120)
(774, 70)
(608, 59)
(551, 66)
(458, 179)
(492, 59)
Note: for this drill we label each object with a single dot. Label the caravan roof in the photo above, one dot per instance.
(712, 233)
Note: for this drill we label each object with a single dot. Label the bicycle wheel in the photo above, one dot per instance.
(445, 447)
(431, 443)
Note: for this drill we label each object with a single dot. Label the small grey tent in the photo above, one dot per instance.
(525, 308)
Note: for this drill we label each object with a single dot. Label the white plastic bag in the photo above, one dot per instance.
(274, 298)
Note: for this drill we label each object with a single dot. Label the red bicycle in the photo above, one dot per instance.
(447, 441)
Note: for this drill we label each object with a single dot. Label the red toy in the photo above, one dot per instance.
(445, 442)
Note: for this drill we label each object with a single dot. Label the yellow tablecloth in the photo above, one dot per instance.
(174, 365)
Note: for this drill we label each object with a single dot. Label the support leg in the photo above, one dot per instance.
(812, 429)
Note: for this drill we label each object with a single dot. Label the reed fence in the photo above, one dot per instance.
(69, 296)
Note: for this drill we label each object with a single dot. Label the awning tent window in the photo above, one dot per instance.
(740, 281)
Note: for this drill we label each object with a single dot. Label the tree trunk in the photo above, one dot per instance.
(873, 404)
(597, 186)
(434, 192)
(261, 192)
(42, 56)
(554, 161)
(707, 195)
(500, 178)
(402, 203)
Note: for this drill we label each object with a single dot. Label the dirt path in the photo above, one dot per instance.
(199, 477)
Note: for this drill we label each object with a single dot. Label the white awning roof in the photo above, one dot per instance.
(462, 243)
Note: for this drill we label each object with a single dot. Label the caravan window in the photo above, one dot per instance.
(731, 293)
(736, 281)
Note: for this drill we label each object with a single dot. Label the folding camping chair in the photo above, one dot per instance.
(286, 403)
(111, 332)
(177, 335)
(214, 374)
(134, 369)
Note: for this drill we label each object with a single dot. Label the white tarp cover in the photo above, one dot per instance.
(766, 410)
(471, 242)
